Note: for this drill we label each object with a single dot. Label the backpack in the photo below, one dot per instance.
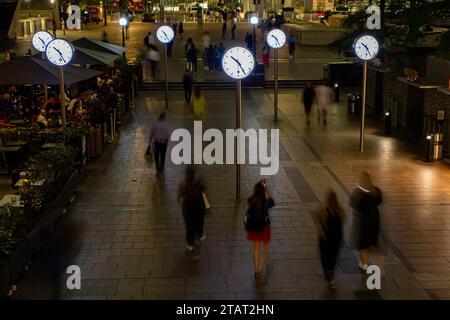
(254, 221)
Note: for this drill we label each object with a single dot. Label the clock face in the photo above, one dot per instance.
(366, 47)
(59, 52)
(238, 62)
(276, 38)
(164, 34)
(40, 40)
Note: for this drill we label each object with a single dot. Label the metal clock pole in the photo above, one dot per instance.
(275, 101)
(165, 77)
(62, 100)
(363, 108)
(237, 145)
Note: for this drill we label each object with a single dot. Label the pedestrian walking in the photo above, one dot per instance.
(309, 96)
(291, 44)
(104, 36)
(266, 55)
(150, 40)
(329, 221)
(206, 40)
(181, 29)
(191, 54)
(224, 29)
(248, 41)
(257, 224)
(188, 81)
(364, 201)
(198, 104)
(210, 55)
(323, 98)
(217, 59)
(158, 141)
(233, 29)
(191, 194)
(174, 27)
(54, 26)
(153, 56)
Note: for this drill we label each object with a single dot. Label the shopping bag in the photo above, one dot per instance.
(149, 154)
(205, 201)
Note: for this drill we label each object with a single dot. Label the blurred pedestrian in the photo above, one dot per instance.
(191, 54)
(291, 44)
(54, 26)
(233, 28)
(169, 48)
(365, 200)
(153, 56)
(174, 27)
(198, 104)
(329, 221)
(257, 224)
(206, 40)
(323, 98)
(158, 141)
(266, 55)
(309, 97)
(181, 29)
(224, 29)
(190, 194)
(150, 40)
(210, 56)
(217, 58)
(248, 41)
(104, 36)
(188, 81)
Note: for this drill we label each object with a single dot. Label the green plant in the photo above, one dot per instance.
(9, 221)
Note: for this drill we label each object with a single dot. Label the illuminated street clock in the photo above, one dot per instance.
(238, 62)
(366, 47)
(276, 38)
(59, 52)
(40, 40)
(165, 34)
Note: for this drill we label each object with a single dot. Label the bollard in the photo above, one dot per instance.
(336, 92)
(350, 103)
(428, 150)
(388, 119)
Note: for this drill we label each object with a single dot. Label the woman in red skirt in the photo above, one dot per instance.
(257, 224)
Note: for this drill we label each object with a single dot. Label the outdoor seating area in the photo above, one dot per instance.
(43, 150)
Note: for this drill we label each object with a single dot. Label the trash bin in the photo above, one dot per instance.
(351, 103)
(438, 146)
(326, 72)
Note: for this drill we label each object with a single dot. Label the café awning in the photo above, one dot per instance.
(93, 57)
(99, 46)
(35, 71)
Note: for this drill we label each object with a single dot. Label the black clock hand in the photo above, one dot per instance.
(43, 42)
(165, 35)
(366, 48)
(239, 64)
(61, 55)
(276, 39)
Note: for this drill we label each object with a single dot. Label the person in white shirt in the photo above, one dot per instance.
(323, 98)
(206, 40)
(159, 139)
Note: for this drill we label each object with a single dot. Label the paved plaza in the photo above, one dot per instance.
(126, 232)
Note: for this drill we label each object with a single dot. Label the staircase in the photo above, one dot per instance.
(228, 85)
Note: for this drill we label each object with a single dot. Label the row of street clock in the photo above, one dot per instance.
(237, 62)
(58, 51)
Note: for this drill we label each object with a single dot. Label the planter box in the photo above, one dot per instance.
(14, 267)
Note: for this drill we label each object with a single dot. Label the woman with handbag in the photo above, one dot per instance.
(191, 194)
(257, 224)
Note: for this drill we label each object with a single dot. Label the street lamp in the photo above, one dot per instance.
(123, 23)
(254, 22)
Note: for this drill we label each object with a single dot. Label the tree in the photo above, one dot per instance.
(402, 25)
